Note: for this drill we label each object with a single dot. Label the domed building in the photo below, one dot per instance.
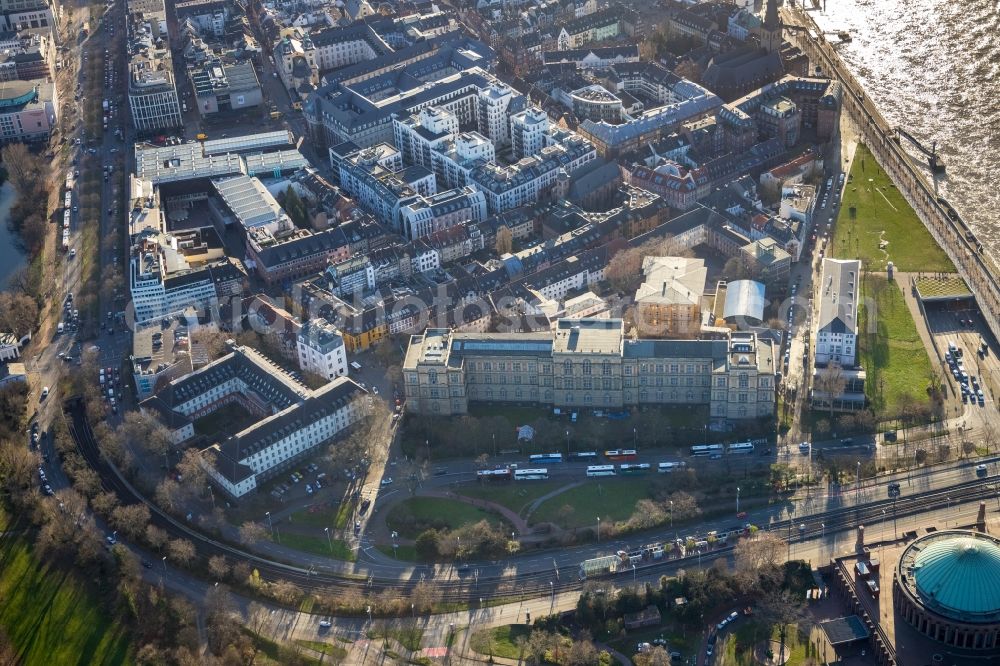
(947, 586)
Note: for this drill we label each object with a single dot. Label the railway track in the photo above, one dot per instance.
(513, 584)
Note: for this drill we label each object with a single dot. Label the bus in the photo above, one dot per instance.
(634, 468)
(601, 470)
(620, 454)
(531, 474)
(546, 458)
(707, 449)
(583, 455)
(740, 448)
(665, 467)
(492, 475)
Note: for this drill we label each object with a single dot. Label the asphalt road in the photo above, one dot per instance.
(533, 573)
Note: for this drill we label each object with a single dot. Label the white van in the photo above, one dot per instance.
(60, 327)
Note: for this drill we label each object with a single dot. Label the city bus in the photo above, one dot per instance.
(707, 449)
(546, 458)
(583, 456)
(601, 470)
(531, 474)
(493, 475)
(621, 454)
(634, 468)
(740, 448)
(665, 467)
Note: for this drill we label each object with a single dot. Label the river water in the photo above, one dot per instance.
(933, 68)
(12, 256)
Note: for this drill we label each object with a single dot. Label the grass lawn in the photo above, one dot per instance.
(51, 616)
(416, 514)
(410, 636)
(893, 354)
(873, 210)
(738, 648)
(273, 653)
(227, 420)
(318, 545)
(338, 653)
(403, 552)
(685, 641)
(500, 641)
(612, 499)
(319, 516)
(514, 496)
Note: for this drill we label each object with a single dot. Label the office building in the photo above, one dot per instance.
(152, 90)
(293, 421)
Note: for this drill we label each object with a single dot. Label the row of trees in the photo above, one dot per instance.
(759, 578)
(481, 540)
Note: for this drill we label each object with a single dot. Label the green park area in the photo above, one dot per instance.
(739, 646)
(890, 349)
(876, 224)
(515, 496)
(50, 615)
(613, 500)
(318, 545)
(416, 514)
(504, 642)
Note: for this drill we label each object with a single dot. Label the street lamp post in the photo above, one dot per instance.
(270, 527)
(672, 512)
(164, 565)
(823, 528)
(329, 541)
(567, 442)
(599, 525)
(857, 483)
(737, 499)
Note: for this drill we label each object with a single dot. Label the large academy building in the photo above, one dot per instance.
(589, 364)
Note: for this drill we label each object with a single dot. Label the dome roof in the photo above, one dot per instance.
(960, 576)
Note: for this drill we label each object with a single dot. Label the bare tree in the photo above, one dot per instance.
(169, 495)
(105, 503)
(251, 532)
(156, 537)
(180, 551)
(131, 519)
(285, 592)
(218, 567)
(831, 382)
(780, 608)
(758, 558)
(424, 595)
(212, 340)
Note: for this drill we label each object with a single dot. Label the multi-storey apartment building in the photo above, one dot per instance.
(589, 364)
(321, 349)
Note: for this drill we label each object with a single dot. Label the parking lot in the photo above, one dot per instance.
(966, 357)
